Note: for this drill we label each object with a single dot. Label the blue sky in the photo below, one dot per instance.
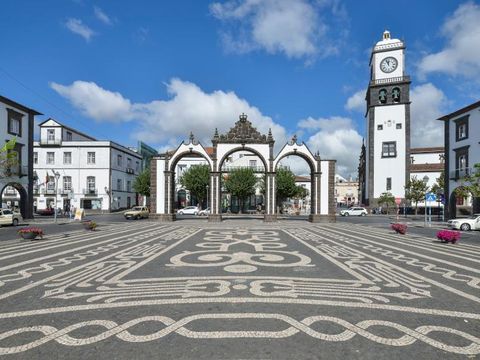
(154, 70)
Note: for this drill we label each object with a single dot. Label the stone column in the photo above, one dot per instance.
(215, 197)
(316, 202)
(271, 194)
(169, 214)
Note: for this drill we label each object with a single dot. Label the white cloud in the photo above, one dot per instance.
(77, 27)
(335, 138)
(167, 121)
(100, 15)
(292, 27)
(461, 55)
(356, 102)
(428, 103)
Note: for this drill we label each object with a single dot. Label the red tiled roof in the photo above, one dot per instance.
(427, 150)
(427, 167)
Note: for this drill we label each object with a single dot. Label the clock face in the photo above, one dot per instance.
(388, 64)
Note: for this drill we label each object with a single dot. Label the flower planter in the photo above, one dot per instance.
(399, 228)
(447, 236)
(31, 233)
(29, 236)
(90, 225)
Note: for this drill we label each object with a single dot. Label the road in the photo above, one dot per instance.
(240, 289)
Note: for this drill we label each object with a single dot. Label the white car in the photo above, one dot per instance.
(354, 211)
(189, 210)
(204, 212)
(9, 217)
(467, 224)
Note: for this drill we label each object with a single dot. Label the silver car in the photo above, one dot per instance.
(189, 210)
(9, 217)
(354, 211)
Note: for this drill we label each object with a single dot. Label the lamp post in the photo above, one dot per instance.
(207, 196)
(57, 176)
(425, 181)
(107, 191)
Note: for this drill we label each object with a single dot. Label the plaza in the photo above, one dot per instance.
(239, 289)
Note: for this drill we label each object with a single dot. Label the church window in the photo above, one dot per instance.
(379, 127)
(396, 94)
(399, 126)
(389, 183)
(389, 149)
(382, 96)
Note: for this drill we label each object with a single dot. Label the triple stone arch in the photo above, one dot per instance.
(243, 137)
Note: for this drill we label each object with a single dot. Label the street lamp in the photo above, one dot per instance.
(425, 181)
(107, 191)
(207, 196)
(57, 176)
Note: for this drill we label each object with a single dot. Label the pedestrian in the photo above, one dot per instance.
(72, 211)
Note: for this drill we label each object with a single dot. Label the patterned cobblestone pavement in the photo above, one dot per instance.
(239, 290)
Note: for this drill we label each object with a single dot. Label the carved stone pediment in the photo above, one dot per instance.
(243, 133)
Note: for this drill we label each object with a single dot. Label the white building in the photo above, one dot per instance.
(388, 122)
(17, 121)
(462, 152)
(427, 164)
(92, 174)
(346, 191)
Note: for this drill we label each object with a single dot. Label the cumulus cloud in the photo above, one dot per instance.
(335, 138)
(189, 108)
(356, 102)
(294, 28)
(461, 54)
(428, 103)
(102, 16)
(78, 27)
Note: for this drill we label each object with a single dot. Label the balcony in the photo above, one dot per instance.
(49, 191)
(396, 79)
(51, 142)
(90, 192)
(130, 171)
(460, 173)
(257, 169)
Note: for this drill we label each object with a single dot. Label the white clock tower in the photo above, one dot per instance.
(388, 122)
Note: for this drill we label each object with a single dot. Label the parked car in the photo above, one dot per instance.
(9, 217)
(204, 212)
(354, 211)
(47, 211)
(137, 212)
(467, 224)
(189, 210)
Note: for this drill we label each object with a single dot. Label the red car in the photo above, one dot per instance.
(47, 211)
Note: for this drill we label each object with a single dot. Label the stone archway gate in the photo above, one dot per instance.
(242, 137)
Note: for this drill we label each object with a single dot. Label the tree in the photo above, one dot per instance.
(387, 199)
(470, 185)
(415, 191)
(301, 192)
(439, 186)
(241, 183)
(195, 179)
(8, 158)
(141, 184)
(285, 184)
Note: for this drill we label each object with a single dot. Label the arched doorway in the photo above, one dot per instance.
(458, 205)
(22, 197)
(238, 158)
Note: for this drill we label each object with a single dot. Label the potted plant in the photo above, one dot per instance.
(90, 225)
(399, 228)
(31, 233)
(448, 236)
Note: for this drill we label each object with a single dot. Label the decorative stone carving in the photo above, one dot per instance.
(243, 133)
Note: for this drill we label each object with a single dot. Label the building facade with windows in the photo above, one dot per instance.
(462, 152)
(387, 147)
(16, 186)
(76, 169)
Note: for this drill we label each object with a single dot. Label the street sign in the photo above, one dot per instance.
(398, 201)
(430, 197)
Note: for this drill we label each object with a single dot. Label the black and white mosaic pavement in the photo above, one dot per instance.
(239, 290)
